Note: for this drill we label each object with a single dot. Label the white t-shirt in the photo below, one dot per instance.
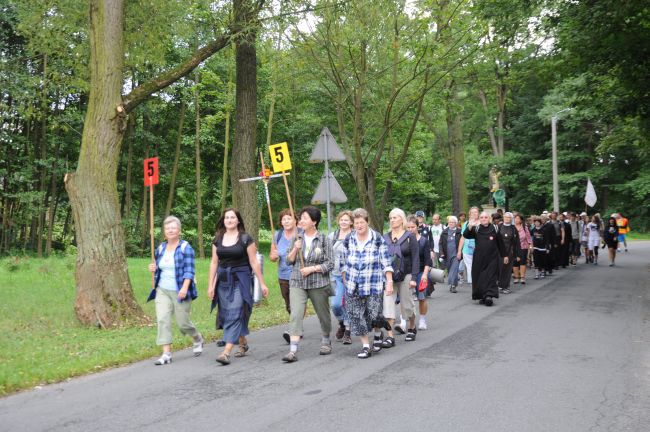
(167, 268)
(436, 231)
(307, 243)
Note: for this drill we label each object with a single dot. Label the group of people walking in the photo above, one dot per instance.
(376, 285)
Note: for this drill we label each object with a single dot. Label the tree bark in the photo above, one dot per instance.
(43, 151)
(244, 158)
(456, 152)
(226, 144)
(54, 199)
(177, 154)
(197, 160)
(104, 294)
(128, 200)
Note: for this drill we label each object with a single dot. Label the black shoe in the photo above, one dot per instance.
(287, 337)
(365, 353)
(347, 340)
(410, 335)
(453, 289)
(399, 329)
(378, 342)
(482, 301)
(488, 301)
(221, 343)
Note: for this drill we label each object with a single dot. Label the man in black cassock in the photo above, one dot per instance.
(487, 253)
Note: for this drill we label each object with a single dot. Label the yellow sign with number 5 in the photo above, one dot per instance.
(280, 157)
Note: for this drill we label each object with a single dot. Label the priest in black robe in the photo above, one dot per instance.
(488, 252)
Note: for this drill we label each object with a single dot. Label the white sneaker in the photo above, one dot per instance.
(422, 324)
(165, 358)
(197, 347)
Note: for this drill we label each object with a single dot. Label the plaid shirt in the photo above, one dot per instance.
(320, 255)
(184, 266)
(365, 267)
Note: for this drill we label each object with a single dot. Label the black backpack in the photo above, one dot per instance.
(397, 261)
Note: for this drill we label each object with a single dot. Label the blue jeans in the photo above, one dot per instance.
(337, 301)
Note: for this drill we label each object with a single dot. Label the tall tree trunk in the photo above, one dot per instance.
(489, 128)
(226, 144)
(104, 294)
(177, 154)
(456, 151)
(197, 162)
(128, 200)
(501, 115)
(244, 155)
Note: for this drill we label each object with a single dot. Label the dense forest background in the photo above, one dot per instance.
(423, 97)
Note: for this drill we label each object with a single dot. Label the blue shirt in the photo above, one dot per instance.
(184, 267)
(469, 244)
(283, 244)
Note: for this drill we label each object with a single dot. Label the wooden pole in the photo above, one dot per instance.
(286, 187)
(153, 258)
(268, 200)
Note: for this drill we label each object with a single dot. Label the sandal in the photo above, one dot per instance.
(224, 359)
(389, 342)
(241, 352)
(364, 353)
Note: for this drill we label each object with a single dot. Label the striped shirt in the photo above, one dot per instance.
(365, 264)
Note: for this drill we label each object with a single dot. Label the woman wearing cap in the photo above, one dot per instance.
(489, 250)
(450, 251)
(467, 244)
(525, 245)
(366, 267)
(611, 238)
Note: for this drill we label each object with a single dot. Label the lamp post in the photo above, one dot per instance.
(556, 187)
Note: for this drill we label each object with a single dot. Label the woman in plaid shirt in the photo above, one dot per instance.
(312, 260)
(365, 266)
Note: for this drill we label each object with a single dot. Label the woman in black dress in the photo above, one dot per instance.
(488, 252)
(234, 260)
(610, 235)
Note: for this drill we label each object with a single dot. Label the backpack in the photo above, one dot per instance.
(397, 260)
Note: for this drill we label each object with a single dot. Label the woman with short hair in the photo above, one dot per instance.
(365, 267)
(312, 260)
(488, 252)
(230, 281)
(174, 289)
(279, 250)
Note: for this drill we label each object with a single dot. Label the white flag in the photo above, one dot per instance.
(590, 195)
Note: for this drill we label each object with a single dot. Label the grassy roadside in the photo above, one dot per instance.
(638, 236)
(42, 342)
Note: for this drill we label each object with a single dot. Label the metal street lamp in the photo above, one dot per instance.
(556, 187)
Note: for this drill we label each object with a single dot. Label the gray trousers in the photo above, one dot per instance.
(167, 305)
(321, 301)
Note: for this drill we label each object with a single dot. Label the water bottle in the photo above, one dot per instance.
(257, 287)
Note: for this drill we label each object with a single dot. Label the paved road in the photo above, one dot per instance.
(567, 354)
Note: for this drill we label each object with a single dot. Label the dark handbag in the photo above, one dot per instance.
(330, 290)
